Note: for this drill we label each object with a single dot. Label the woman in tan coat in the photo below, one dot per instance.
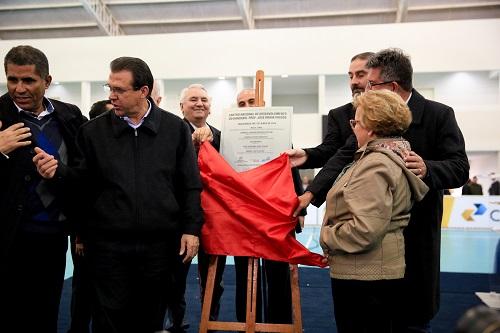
(366, 211)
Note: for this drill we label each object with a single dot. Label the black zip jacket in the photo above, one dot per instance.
(142, 182)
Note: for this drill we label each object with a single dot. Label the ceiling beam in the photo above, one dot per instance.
(246, 13)
(103, 16)
(182, 21)
(48, 26)
(402, 11)
(451, 6)
(324, 14)
(376, 11)
(40, 6)
(148, 2)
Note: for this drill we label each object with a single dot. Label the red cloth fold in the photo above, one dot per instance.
(250, 213)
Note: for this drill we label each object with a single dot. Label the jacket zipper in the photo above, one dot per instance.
(136, 177)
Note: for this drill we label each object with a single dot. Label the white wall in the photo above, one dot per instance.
(463, 90)
(453, 61)
(445, 46)
(68, 92)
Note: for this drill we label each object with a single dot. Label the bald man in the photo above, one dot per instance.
(279, 299)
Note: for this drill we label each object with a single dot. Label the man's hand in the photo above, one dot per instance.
(416, 164)
(304, 201)
(189, 246)
(301, 221)
(80, 249)
(11, 138)
(201, 135)
(46, 164)
(297, 156)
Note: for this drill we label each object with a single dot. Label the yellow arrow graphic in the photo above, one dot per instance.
(467, 214)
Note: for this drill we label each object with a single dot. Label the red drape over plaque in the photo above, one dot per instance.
(250, 213)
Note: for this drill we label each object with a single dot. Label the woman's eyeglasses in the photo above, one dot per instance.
(353, 122)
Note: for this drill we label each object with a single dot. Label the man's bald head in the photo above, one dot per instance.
(246, 98)
(155, 93)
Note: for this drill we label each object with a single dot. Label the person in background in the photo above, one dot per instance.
(479, 319)
(495, 187)
(475, 187)
(466, 188)
(246, 98)
(34, 215)
(338, 132)
(472, 187)
(99, 108)
(80, 287)
(144, 208)
(155, 94)
(366, 211)
(277, 274)
(195, 104)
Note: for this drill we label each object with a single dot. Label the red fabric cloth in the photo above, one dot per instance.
(250, 213)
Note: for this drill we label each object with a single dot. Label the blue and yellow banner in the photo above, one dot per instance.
(471, 211)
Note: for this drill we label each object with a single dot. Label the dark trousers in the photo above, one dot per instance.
(130, 280)
(80, 294)
(176, 302)
(32, 283)
(278, 292)
(176, 305)
(368, 306)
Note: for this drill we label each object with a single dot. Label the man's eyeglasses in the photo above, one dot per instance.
(353, 123)
(116, 90)
(371, 84)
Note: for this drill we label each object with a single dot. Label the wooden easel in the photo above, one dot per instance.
(253, 264)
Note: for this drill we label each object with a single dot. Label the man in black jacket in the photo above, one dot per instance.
(143, 202)
(338, 129)
(33, 213)
(438, 157)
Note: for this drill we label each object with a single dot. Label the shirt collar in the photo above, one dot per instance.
(408, 99)
(135, 126)
(196, 127)
(49, 108)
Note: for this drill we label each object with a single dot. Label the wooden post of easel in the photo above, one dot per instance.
(253, 264)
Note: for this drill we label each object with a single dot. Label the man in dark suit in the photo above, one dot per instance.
(495, 187)
(275, 290)
(33, 214)
(195, 106)
(338, 132)
(438, 157)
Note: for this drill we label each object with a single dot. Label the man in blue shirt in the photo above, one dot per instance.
(33, 214)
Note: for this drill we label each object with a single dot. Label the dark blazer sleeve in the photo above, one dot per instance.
(443, 151)
(326, 177)
(216, 134)
(452, 169)
(338, 131)
(188, 179)
(299, 190)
